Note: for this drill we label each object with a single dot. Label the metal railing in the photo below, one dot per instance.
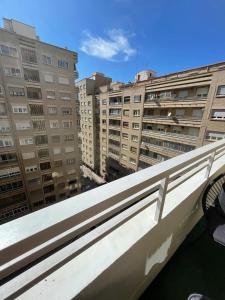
(169, 134)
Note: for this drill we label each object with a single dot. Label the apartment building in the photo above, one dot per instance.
(39, 157)
(89, 114)
(157, 118)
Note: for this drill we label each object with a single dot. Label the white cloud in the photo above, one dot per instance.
(115, 47)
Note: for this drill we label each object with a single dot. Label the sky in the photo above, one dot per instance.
(122, 37)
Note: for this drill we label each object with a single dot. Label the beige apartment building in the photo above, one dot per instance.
(157, 118)
(39, 157)
(89, 114)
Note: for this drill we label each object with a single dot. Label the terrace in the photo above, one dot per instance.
(113, 241)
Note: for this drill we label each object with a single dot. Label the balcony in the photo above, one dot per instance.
(110, 242)
(175, 101)
(114, 137)
(173, 120)
(171, 136)
(160, 149)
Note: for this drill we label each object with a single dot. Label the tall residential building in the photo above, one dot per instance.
(39, 157)
(89, 89)
(156, 118)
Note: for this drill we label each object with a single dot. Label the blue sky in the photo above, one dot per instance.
(122, 37)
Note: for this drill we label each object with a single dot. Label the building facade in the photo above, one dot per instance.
(39, 157)
(89, 89)
(157, 118)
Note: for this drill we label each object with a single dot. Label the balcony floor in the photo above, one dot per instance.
(198, 266)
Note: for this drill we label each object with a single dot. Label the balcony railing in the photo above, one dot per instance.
(168, 134)
(176, 98)
(85, 244)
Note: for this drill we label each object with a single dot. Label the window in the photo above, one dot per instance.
(63, 63)
(11, 186)
(133, 150)
(137, 98)
(125, 136)
(31, 75)
(136, 112)
(43, 153)
(125, 124)
(69, 137)
(126, 112)
(104, 102)
(7, 158)
(34, 93)
(67, 111)
(197, 113)
(20, 109)
(28, 155)
(16, 91)
(41, 139)
(45, 165)
(65, 96)
(70, 161)
(49, 78)
(48, 188)
(126, 100)
(6, 141)
(215, 135)
(115, 111)
(7, 173)
(180, 112)
(9, 51)
(218, 115)
(1, 92)
(124, 147)
(133, 161)
(202, 92)
(26, 141)
(46, 59)
(56, 151)
(31, 169)
(38, 124)
(67, 124)
(13, 72)
(4, 126)
(182, 94)
(69, 149)
(193, 131)
(52, 110)
(58, 163)
(64, 80)
(36, 109)
(221, 90)
(134, 138)
(47, 177)
(23, 125)
(54, 124)
(2, 109)
(50, 94)
(28, 55)
(135, 125)
(56, 139)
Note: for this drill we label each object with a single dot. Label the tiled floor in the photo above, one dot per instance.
(197, 266)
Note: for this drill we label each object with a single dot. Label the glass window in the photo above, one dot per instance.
(221, 90)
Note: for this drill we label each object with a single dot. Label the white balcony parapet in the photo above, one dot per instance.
(112, 241)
